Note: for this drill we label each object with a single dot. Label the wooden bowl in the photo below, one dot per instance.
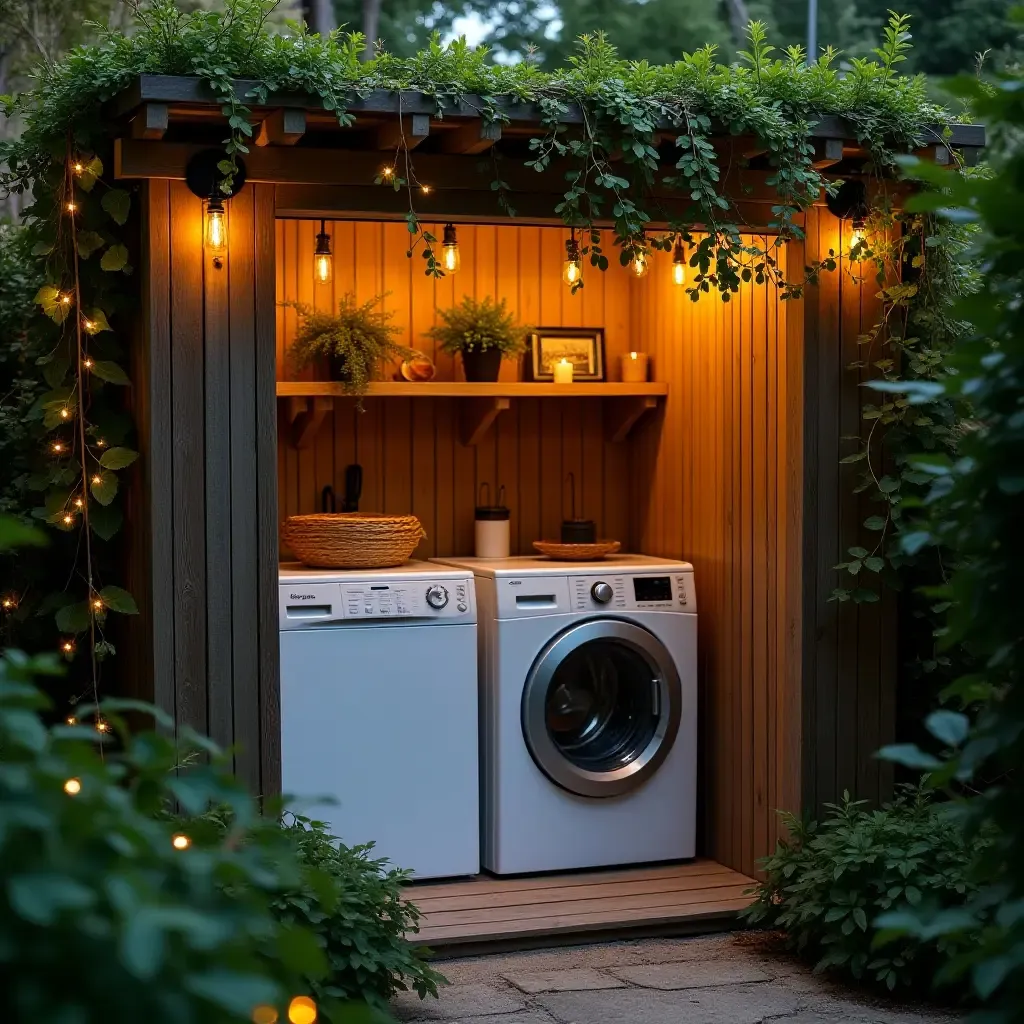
(559, 552)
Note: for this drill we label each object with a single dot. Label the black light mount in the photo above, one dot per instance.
(850, 201)
(203, 175)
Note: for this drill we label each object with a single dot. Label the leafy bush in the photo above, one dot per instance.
(355, 341)
(826, 886)
(360, 925)
(476, 326)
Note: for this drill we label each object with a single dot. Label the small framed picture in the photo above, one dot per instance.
(582, 346)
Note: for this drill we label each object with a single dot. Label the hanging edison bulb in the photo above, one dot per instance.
(323, 260)
(572, 268)
(640, 263)
(216, 226)
(679, 263)
(450, 258)
(857, 235)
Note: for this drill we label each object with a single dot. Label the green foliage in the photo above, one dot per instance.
(354, 342)
(975, 506)
(476, 326)
(101, 917)
(360, 920)
(828, 883)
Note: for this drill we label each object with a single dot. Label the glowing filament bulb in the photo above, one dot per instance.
(58, 447)
(79, 503)
(97, 604)
(71, 720)
(71, 206)
(65, 299)
(216, 226)
(67, 647)
(79, 167)
(572, 268)
(640, 264)
(387, 172)
(87, 363)
(73, 787)
(180, 841)
(451, 260)
(425, 189)
(97, 479)
(68, 518)
(102, 725)
(323, 260)
(302, 1010)
(8, 603)
(679, 263)
(65, 414)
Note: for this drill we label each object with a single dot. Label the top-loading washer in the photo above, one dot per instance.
(379, 710)
(588, 684)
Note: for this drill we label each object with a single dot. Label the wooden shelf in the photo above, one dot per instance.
(308, 402)
(460, 389)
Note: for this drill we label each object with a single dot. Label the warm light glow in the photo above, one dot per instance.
(387, 172)
(572, 268)
(97, 604)
(563, 372)
(67, 647)
(451, 260)
(322, 268)
(7, 603)
(65, 299)
(679, 263)
(79, 167)
(58, 447)
(79, 503)
(100, 442)
(71, 207)
(216, 227)
(180, 841)
(65, 414)
(264, 1015)
(425, 189)
(571, 271)
(302, 1010)
(73, 787)
(640, 264)
(97, 479)
(71, 720)
(87, 323)
(87, 363)
(102, 725)
(68, 518)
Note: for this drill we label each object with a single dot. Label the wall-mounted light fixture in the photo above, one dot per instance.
(850, 202)
(323, 259)
(205, 176)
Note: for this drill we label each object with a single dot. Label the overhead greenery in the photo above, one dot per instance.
(828, 882)
(611, 164)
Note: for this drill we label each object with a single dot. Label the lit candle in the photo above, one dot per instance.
(563, 372)
(634, 367)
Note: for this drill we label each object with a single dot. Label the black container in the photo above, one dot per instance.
(481, 365)
(579, 531)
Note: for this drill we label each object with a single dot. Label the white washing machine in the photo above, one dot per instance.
(588, 684)
(379, 710)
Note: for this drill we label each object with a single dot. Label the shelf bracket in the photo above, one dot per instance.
(622, 414)
(477, 415)
(305, 416)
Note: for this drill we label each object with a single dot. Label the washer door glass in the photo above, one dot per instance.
(601, 707)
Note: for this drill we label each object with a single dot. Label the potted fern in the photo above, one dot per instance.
(352, 342)
(483, 333)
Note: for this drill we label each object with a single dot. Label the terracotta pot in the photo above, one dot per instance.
(481, 366)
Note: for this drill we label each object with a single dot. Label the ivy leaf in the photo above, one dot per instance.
(89, 173)
(111, 372)
(97, 321)
(49, 299)
(118, 458)
(88, 243)
(105, 520)
(119, 600)
(115, 258)
(73, 618)
(104, 488)
(117, 202)
(874, 563)
(874, 523)
(856, 457)
(948, 726)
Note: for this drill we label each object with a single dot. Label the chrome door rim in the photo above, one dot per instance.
(542, 748)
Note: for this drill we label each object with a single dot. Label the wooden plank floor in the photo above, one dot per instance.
(506, 912)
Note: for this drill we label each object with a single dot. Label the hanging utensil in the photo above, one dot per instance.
(353, 488)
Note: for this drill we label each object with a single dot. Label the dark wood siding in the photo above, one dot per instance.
(204, 549)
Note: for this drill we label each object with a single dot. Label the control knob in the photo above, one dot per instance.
(602, 593)
(437, 596)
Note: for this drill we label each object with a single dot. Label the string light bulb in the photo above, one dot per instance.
(65, 414)
(572, 268)
(97, 479)
(68, 519)
(71, 206)
(71, 720)
(216, 226)
(100, 442)
(679, 263)
(73, 787)
(323, 260)
(8, 604)
(425, 189)
(102, 725)
(180, 841)
(857, 235)
(451, 259)
(79, 167)
(97, 604)
(387, 172)
(641, 261)
(57, 447)
(65, 299)
(87, 363)
(302, 1010)
(67, 647)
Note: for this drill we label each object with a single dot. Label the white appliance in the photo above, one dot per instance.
(588, 684)
(379, 710)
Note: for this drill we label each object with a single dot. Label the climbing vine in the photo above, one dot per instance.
(609, 124)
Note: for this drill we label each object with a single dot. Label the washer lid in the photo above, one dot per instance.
(601, 707)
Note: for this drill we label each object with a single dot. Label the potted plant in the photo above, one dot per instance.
(353, 342)
(483, 333)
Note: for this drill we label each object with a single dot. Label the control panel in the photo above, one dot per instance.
(596, 593)
(304, 605)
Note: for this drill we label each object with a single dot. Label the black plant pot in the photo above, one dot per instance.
(481, 366)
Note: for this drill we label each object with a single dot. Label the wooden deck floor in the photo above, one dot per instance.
(517, 912)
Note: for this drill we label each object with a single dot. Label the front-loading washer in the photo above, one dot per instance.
(379, 718)
(588, 699)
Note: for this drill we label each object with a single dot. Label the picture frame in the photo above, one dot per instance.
(582, 346)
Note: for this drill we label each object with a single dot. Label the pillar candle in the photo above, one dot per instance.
(634, 367)
(563, 372)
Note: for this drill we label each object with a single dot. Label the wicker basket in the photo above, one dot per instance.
(352, 540)
(559, 552)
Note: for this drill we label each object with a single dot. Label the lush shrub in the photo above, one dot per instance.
(477, 326)
(826, 885)
(360, 922)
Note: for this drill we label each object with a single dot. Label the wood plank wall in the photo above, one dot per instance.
(711, 486)
(850, 651)
(203, 512)
(409, 449)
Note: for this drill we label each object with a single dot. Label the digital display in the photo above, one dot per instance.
(652, 588)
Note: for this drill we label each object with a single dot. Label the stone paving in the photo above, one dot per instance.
(722, 979)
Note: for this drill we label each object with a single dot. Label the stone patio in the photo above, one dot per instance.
(722, 979)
